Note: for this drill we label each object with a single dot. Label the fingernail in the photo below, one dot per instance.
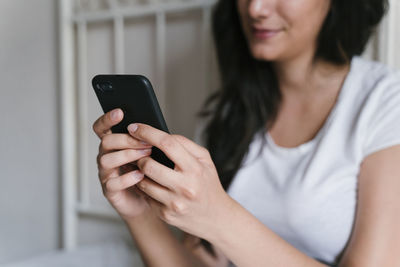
(114, 114)
(137, 176)
(145, 151)
(132, 127)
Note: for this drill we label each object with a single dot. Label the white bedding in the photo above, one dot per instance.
(115, 253)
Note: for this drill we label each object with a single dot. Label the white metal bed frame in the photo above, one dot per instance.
(71, 207)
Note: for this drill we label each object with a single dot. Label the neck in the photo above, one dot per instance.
(304, 75)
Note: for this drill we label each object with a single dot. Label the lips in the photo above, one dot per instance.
(264, 33)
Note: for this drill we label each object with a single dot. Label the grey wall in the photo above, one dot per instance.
(29, 139)
(30, 222)
(28, 123)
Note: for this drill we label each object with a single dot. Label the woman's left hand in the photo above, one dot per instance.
(190, 196)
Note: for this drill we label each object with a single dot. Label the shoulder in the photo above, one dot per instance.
(373, 89)
(375, 78)
(367, 89)
(378, 92)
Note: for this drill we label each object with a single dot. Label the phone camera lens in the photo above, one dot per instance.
(105, 87)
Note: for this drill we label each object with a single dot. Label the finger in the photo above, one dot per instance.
(159, 173)
(113, 142)
(138, 192)
(155, 191)
(128, 167)
(102, 125)
(190, 241)
(116, 159)
(123, 182)
(196, 150)
(104, 175)
(166, 143)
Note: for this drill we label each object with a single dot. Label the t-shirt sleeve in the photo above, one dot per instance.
(383, 129)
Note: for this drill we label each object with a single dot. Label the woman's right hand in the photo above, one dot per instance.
(117, 168)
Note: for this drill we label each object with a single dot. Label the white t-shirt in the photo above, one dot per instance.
(308, 194)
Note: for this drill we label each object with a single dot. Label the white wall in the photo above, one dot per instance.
(29, 201)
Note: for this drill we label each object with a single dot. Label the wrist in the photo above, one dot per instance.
(146, 218)
(222, 221)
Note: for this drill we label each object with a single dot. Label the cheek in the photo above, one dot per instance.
(304, 19)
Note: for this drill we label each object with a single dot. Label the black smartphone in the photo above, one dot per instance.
(135, 96)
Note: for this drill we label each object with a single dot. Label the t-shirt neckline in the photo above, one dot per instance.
(307, 145)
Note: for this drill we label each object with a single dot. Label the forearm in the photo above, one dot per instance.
(247, 242)
(157, 244)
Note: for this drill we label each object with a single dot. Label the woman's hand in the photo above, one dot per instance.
(191, 196)
(118, 172)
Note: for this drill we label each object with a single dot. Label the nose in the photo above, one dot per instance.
(259, 9)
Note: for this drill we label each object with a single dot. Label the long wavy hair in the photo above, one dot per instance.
(249, 97)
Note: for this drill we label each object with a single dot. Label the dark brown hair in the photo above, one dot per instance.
(249, 96)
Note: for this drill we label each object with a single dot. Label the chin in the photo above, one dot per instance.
(264, 54)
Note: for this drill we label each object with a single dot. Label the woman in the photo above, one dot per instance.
(302, 148)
